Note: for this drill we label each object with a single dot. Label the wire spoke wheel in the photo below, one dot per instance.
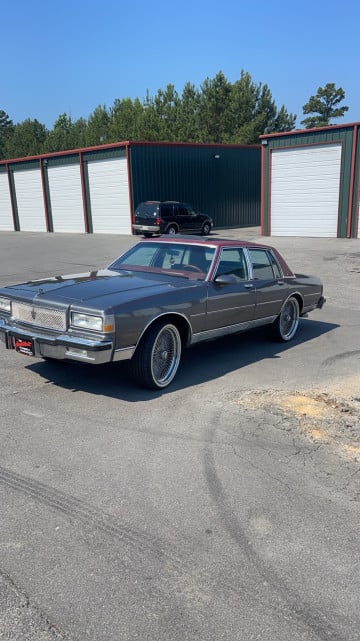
(157, 357)
(165, 355)
(287, 322)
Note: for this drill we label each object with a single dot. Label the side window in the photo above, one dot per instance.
(262, 262)
(166, 211)
(182, 211)
(232, 261)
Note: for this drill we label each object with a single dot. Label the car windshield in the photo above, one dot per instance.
(192, 261)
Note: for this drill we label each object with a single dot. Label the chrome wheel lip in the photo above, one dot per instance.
(289, 319)
(165, 355)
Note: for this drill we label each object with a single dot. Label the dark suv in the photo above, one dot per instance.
(170, 217)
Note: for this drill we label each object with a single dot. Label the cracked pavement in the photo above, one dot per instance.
(224, 508)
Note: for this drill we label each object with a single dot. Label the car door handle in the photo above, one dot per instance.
(249, 285)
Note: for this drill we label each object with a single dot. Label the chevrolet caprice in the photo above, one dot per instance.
(156, 299)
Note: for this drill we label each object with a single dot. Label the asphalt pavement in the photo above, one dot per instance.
(225, 507)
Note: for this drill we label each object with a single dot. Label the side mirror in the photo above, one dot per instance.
(226, 279)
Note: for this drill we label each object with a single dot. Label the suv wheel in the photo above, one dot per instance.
(171, 230)
(206, 229)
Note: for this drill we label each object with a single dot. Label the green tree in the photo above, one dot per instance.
(324, 106)
(125, 120)
(215, 95)
(27, 139)
(98, 126)
(6, 131)
(66, 134)
(166, 106)
(189, 129)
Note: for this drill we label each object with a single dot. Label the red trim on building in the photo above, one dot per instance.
(127, 151)
(83, 193)
(42, 173)
(127, 143)
(306, 131)
(11, 197)
(262, 192)
(352, 181)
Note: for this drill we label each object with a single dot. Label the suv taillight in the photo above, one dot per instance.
(158, 221)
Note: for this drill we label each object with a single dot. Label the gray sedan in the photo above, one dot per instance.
(159, 297)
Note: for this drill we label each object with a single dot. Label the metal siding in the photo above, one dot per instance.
(109, 196)
(226, 188)
(300, 139)
(6, 219)
(66, 198)
(305, 186)
(30, 200)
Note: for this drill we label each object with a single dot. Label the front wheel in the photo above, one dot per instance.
(286, 324)
(157, 358)
(206, 229)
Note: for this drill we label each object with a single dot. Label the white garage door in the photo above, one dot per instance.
(109, 196)
(305, 184)
(6, 219)
(66, 198)
(30, 200)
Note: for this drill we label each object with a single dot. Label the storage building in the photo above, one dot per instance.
(96, 190)
(310, 182)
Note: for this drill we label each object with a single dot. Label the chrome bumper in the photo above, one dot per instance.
(64, 347)
(150, 228)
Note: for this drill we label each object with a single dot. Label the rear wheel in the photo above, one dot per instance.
(206, 229)
(171, 230)
(157, 358)
(286, 324)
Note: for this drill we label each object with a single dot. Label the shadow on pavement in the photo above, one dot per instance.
(200, 364)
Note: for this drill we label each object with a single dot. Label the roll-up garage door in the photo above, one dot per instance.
(30, 200)
(305, 184)
(6, 219)
(109, 196)
(66, 198)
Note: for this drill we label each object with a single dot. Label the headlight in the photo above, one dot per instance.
(87, 321)
(5, 305)
(104, 324)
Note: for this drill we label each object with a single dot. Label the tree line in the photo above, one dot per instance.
(217, 112)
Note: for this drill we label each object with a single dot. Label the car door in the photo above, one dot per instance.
(231, 303)
(271, 288)
(187, 218)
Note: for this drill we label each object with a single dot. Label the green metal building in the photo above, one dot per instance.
(97, 189)
(310, 182)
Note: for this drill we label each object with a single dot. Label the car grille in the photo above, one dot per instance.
(39, 316)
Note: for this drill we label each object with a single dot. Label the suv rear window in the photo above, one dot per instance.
(148, 209)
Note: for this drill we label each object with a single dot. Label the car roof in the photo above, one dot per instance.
(206, 240)
(216, 242)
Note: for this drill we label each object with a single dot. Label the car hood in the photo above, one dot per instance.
(91, 286)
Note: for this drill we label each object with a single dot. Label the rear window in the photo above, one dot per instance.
(147, 209)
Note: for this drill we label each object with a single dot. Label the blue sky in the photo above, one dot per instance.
(72, 55)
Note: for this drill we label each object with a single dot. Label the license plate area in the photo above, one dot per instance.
(23, 345)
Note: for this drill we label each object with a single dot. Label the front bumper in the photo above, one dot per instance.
(62, 346)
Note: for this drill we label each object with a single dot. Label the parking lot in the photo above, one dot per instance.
(225, 507)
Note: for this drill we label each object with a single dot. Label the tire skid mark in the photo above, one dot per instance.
(75, 508)
(194, 577)
(298, 609)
